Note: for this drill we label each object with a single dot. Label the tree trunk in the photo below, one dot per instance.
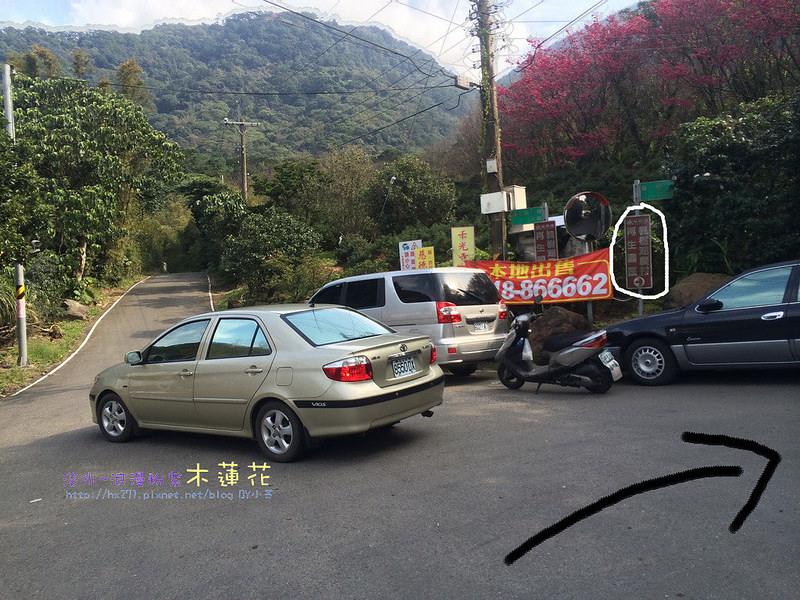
(82, 243)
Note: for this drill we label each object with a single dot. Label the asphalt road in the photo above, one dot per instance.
(429, 509)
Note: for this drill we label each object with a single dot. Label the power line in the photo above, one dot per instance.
(329, 48)
(364, 40)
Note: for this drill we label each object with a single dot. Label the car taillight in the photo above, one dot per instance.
(433, 355)
(447, 312)
(502, 311)
(597, 341)
(357, 368)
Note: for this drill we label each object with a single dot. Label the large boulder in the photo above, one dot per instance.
(554, 321)
(693, 288)
(76, 310)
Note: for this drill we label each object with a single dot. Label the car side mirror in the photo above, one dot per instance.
(133, 358)
(709, 305)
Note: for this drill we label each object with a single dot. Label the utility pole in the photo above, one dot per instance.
(242, 126)
(491, 122)
(19, 270)
(9, 105)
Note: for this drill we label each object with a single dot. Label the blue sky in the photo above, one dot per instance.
(441, 27)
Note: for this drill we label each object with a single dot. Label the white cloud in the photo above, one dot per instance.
(135, 14)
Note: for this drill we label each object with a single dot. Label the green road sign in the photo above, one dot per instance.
(657, 190)
(527, 215)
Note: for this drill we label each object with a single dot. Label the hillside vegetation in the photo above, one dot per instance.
(312, 86)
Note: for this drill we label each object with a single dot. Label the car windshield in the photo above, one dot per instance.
(332, 325)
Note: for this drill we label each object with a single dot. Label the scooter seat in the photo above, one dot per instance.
(559, 342)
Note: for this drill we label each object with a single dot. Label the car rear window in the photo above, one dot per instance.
(461, 289)
(323, 326)
(329, 295)
(365, 294)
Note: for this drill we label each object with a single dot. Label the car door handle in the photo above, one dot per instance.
(772, 316)
(253, 370)
(186, 373)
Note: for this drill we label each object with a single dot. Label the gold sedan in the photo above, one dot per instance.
(282, 374)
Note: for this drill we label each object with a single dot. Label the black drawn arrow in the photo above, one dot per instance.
(773, 458)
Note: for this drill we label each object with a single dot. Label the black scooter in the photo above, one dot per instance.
(575, 359)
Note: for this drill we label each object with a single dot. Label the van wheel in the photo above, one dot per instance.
(463, 370)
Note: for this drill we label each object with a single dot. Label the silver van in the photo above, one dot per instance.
(458, 308)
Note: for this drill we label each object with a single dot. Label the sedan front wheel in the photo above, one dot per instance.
(279, 432)
(116, 422)
(651, 362)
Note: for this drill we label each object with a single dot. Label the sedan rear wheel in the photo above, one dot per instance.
(651, 362)
(116, 423)
(279, 432)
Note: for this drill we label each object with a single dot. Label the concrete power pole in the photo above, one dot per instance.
(491, 121)
(242, 126)
(19, 271)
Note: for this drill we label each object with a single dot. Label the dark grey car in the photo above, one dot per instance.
(752, 321)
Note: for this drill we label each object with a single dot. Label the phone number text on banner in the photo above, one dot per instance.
(575, 279)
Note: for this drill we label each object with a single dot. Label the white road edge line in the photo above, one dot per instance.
(210, 296)
(86, 339)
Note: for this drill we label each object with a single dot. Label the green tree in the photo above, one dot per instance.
(36, 62)
(97, 158)
(81, 63)
(737, 186)
(268, 243)
(19, 201)
(344, 210)
(129, 79)
(295, 188)
(217, 217)
(408, 192)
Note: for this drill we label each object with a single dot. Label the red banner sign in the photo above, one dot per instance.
(574, 279)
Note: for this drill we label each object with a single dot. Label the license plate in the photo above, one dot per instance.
(481, 326)
(611, 363)
(403, 366)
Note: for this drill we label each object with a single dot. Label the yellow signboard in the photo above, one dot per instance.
(463, 240)
(425, 258)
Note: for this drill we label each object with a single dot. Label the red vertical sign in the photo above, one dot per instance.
(638, 252)
(545, 240)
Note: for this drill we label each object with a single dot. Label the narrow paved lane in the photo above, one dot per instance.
(60, 402)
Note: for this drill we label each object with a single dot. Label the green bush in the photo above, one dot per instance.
(8, 300)
(269, 245)
(48, 283)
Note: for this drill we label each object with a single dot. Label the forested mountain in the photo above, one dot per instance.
(311, 86)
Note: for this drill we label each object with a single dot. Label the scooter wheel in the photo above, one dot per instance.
(508, 378)
(604, 383)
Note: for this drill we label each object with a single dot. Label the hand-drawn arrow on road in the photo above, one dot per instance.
(773, 458)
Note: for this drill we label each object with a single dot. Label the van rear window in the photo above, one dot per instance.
(461, 289)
